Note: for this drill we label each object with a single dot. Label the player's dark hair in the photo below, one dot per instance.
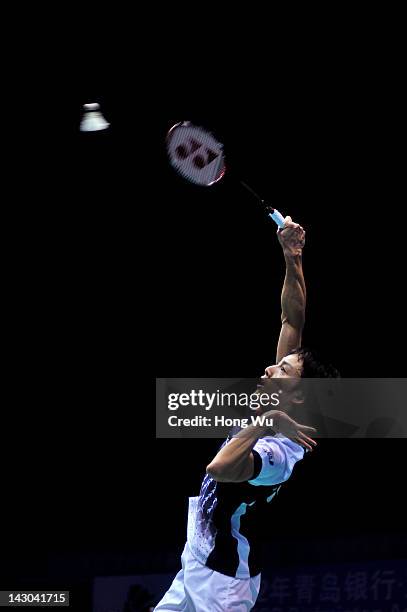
(313, 366)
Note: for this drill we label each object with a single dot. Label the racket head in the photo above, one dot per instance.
(195, 154)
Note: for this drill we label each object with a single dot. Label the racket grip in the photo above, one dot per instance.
(277, 217)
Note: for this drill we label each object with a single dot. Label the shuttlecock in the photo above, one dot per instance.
(92, 119)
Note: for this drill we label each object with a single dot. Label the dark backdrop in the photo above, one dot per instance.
(126, 272)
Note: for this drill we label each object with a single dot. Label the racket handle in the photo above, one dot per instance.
(277, 217)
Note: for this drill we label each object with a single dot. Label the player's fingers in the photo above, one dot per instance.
(307, 429)
(303, 443)
(307, 438)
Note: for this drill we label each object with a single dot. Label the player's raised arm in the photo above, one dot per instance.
(293, 296)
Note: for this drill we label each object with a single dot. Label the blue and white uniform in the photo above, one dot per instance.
(222, 559)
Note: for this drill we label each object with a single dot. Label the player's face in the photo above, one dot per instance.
(289, 367)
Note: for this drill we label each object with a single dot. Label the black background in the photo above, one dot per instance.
(123, 272)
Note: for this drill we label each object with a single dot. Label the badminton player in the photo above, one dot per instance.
(222, 558)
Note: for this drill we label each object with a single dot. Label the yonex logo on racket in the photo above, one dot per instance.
(195, 154)
(183, 151)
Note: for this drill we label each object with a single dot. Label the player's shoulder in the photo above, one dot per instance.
(291, 448)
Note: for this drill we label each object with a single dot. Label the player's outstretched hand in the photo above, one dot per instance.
(284, 424)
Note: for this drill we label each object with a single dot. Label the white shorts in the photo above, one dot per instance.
(197, 588)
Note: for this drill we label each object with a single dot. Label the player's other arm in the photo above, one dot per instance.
(293, 296)
(235, 461)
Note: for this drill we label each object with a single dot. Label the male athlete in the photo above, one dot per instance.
(221, 561)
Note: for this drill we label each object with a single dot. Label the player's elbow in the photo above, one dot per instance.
(218, 471)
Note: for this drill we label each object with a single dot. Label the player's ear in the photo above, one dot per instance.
(298, 398)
